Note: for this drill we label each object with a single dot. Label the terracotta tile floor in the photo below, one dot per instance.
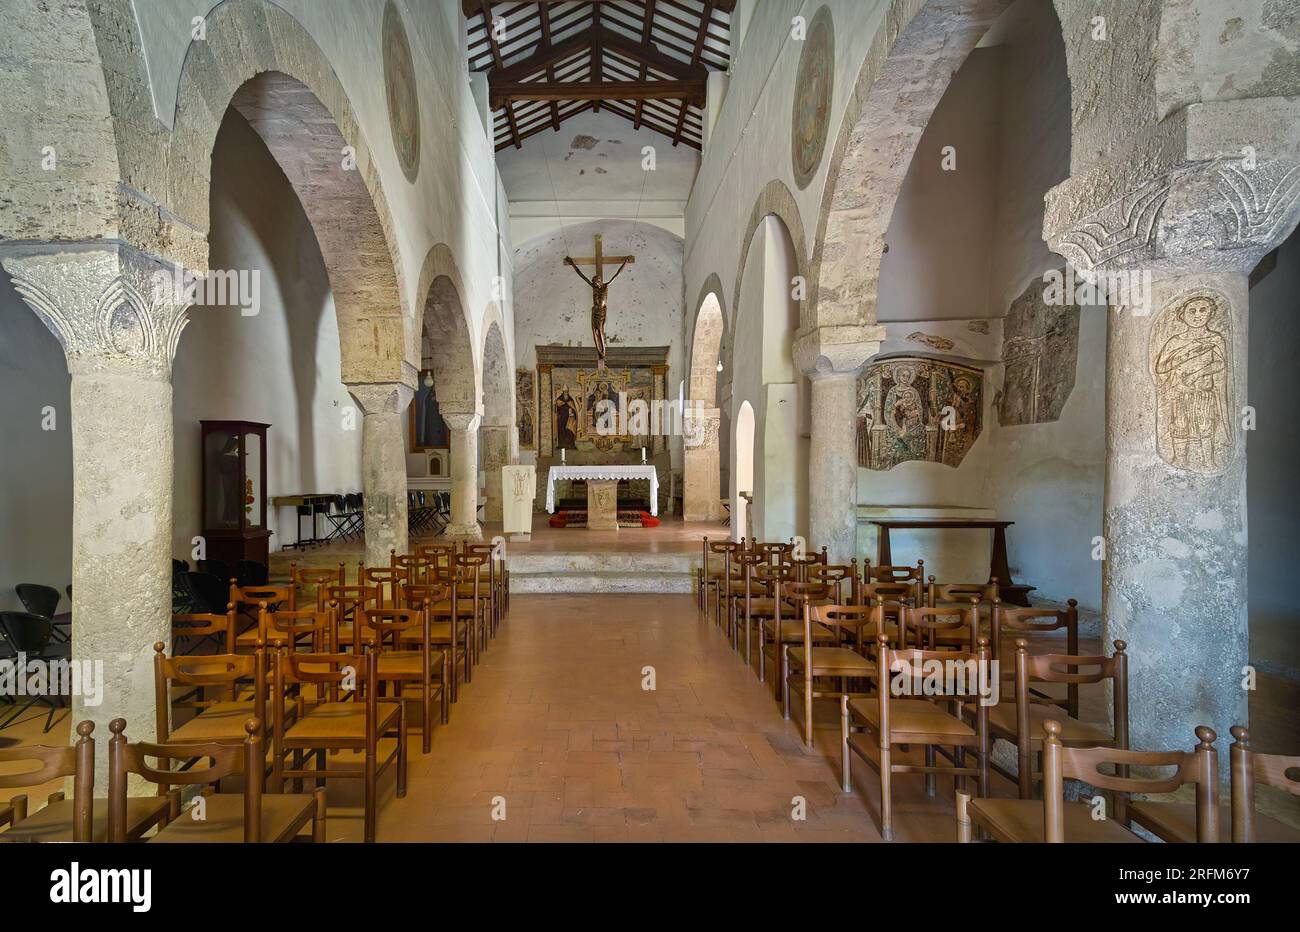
(556, 725)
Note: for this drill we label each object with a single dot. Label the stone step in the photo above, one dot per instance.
(602, 572)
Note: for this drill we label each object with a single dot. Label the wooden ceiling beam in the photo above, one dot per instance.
(486, 7)
(690, 92)
(470, 7)
(544, 12)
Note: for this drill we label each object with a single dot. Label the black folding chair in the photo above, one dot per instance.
(44, 601)
(218, 568)
(32, 636)
(208, 594)
(251, 573)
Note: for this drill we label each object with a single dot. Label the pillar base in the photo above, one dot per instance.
(463, 531)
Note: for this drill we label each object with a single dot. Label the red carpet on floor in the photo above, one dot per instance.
(577, 518)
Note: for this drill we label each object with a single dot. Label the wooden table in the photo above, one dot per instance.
(998, 568)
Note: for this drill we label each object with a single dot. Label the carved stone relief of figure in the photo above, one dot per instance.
(1191, 363)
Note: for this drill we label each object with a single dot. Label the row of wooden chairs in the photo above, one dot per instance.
(251, 815)
(1054, 819)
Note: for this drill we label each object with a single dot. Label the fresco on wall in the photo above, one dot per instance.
(814, 84)
(917, 408)
(525, 403)
(1191, 362)
(403, 102)
(1040, 349)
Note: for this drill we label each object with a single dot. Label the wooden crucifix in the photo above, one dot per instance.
(599, 291)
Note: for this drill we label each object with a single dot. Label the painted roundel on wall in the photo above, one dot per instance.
(403, 104)
(812, 97)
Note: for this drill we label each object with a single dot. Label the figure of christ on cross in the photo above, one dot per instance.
(599, 292)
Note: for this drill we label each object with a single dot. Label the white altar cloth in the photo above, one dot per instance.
(603, 472)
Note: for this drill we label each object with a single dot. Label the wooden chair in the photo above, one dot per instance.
(384, 580)
(807, 562)
(777, 621)
(716, 580)
(472, 587)
(914, 576)
(442, 555)
(1008, 622)
(315, 581)
(1056, 820)
(803, 665)
(219, 718)
(426, 668)
(743, 594)
(249, 602)
(250, 816)
(414, 569)
(871, 728)
(1021, 722)
(83, 818)
(1177, 822)
(348, 602)
(328, 722)
(442, 604)
(888, 600)
(835, 576)
(939, 628)
(495, 582)
(221, 628)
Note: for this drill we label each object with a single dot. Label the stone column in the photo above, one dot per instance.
(119, 325)
(701, 465)
(831, 357)
(383, 466)
(464, 476)
(496, 453)
(1174, 577)
(1175, 530)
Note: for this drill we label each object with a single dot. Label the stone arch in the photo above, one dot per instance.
(774, 200)
(701, 454)
(915, 52)
(259, 60)
(444, 332)
(497, 439)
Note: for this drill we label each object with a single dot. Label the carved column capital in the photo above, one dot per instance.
(110, 307)
(381, 397)
(1213, 188)
(826, 352)
(462, 421)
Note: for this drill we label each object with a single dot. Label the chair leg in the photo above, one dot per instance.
(785, 693)
(370, 802)
(318, 820)
(886, 795)
(929, 777)
(426, 738)
(808, 712)
(963, 818)
(401, 750)
(846, 774)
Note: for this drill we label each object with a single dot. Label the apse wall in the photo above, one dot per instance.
(280, 366)
(553, 305)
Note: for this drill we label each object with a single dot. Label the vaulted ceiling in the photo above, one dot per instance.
(644, 60)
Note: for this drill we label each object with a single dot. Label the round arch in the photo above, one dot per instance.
(702, 457)
(904, 75)
(288, 92)
(742, 469)
(444, 333)
(497, 439)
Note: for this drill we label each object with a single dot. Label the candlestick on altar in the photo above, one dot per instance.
(643, 454)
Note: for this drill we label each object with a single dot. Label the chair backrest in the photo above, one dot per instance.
(937, 593)
(804, 592)
(223, 760)
(912, 672)
(913, 575)
(328, 672)
(208, 594)
(1073, 670)
(923, 624)
(26, 633)
(389, 624)
(75, 760)
(1007, 619)
(203, 624)
(837, 617)
(285, 628)
(348, 599)
(385, 580)
(315, 580)
(440, 554)
(1199, 766)
(203, 671)
(38, 599)
(412, 569)
(419, 595)
(282, 596)
(834, 575)
(1248, 768)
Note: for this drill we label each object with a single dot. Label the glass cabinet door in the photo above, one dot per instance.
(224, 496)
(253, 506)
